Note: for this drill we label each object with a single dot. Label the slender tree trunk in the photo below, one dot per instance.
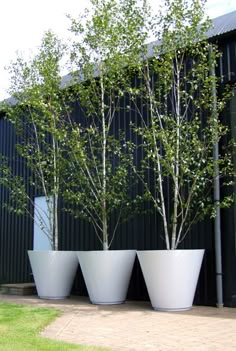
(55, 195)
(55, 221)
(159, 177)
(176, 166)
(160, 180)
(104, 184)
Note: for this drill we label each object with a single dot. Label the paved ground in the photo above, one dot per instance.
(134, 326)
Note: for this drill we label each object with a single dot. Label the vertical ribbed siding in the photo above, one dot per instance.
(227, 63)
(141, 232)
(15, 231)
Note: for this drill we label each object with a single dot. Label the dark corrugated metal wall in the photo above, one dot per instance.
(137, 233)
(15, 231)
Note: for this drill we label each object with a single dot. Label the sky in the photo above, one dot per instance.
(23, 23)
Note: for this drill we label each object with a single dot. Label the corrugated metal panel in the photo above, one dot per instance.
(15, 232)
(226, 68)
(222, 25)
(225, 24)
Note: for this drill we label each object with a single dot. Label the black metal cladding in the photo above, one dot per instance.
(16, 232)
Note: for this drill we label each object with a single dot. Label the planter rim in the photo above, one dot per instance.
(165, 250)
(131, 250)
(51, 250)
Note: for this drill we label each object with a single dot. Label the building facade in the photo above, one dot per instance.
(16, 232)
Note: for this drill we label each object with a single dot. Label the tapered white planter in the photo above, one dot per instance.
(54, 272)
(171, 277)
(107, 274)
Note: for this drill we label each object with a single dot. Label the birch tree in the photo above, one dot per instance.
(105, 55)
(183, 122)
(37, 115)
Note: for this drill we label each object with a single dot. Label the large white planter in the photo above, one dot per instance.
(107, 274)
(54, 272)
(171, 277)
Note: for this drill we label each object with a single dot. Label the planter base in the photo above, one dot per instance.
(172, 309)
(107, 303)
(53, 298)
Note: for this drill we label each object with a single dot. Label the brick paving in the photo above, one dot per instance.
(134, 326)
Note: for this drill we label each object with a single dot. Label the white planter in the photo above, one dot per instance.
(53, 272)
(107, 274)
(171, 277)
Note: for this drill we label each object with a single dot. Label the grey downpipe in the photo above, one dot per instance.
(217, 220)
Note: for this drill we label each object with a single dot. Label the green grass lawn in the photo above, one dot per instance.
(20, 327)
